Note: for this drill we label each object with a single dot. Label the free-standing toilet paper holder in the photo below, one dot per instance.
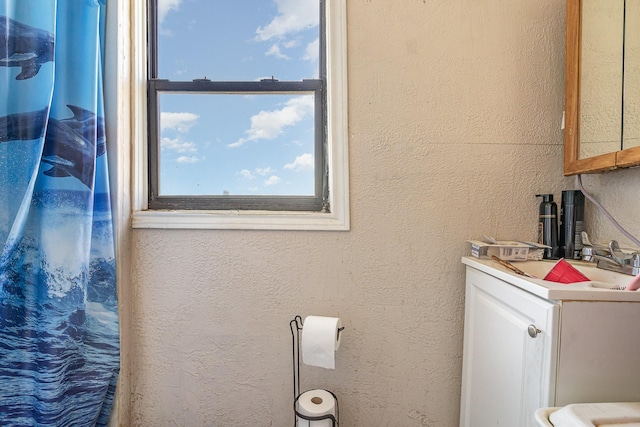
(296, 328)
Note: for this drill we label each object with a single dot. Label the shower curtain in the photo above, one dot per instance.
(59, 335)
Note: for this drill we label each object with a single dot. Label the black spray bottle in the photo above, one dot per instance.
(548, 226)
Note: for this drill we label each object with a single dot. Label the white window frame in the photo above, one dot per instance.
(337, 145)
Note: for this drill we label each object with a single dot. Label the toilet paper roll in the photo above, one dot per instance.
(316, 403)
(320, 341)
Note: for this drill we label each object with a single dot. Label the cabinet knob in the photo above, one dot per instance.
(533, 331)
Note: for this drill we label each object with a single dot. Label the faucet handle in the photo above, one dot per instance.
(585, 238)
(617, 254)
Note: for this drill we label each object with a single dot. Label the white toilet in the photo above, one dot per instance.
(623, 414)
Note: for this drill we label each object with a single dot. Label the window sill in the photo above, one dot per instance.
(240, 220)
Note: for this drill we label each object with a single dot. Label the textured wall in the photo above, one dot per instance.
(455, 111)
(619, 193)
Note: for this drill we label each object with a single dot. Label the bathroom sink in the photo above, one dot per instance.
(599, 278)
(603, 285)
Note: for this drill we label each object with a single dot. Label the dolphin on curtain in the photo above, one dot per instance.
(70, 145)
(24, 46)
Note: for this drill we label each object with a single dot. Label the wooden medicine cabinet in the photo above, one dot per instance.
(602, 86)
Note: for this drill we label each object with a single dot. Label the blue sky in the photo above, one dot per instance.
(237, 144)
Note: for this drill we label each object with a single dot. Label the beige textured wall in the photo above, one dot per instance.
(619, 193)
(455, 112)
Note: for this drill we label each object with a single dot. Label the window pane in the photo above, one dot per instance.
(213, 144)
(238, 40)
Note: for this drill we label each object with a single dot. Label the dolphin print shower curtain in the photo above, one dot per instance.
(59, 335)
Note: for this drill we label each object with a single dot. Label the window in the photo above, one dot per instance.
(246, 115)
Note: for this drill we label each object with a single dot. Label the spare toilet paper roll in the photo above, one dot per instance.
(320, 341)
(316, 403)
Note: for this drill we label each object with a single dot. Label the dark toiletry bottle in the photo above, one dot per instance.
(548, 226)
(571, 224)
(567, 224)
(577, 240)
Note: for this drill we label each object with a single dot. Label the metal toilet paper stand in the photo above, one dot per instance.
(296, 329)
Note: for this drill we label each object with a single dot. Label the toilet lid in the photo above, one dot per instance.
(623, 414)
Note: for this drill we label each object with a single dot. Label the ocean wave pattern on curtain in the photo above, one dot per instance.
(59, 334)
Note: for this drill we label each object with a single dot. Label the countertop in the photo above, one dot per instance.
(581, 291)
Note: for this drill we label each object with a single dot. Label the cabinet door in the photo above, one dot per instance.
(599, 347)
(507, 373)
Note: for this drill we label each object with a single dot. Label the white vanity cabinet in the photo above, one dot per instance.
(523, 351)
(507, 373)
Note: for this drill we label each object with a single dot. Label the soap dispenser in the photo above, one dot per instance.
(548, 226)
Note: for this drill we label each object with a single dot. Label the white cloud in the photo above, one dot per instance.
(180, 67)
(273, 180)
(293, 16)
(178, 145)
(312, 52)
(275, 51)
(301, 163)
(291, 43)
(246, 174)
(179, 122)
(187, 159)
(249, 175)
(164, 6)
(265, 171)
(271, 124)
(238, 143)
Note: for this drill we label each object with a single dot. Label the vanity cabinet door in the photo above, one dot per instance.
(509, 358)
(599, 345)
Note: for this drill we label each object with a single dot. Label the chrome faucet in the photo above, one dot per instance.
(613, 258)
